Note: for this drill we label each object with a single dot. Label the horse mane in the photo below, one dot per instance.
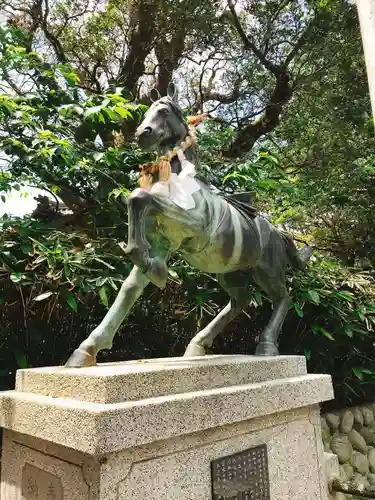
(191, 120)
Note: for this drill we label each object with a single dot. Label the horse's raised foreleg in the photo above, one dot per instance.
(238, 300)
(152, 261)
(138, 248)
(102, 336)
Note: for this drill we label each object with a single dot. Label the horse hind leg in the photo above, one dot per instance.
(267, 345)
(270, 276)
(274, 285)
(238, 300)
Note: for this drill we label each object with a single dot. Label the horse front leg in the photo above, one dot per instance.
(141, 206)
(138, 248)
(102, 336)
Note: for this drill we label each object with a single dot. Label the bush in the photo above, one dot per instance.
(60, 271)
(56, 287)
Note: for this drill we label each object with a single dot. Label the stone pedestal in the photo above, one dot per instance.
(158, 430)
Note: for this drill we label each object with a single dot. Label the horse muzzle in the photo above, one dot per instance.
(147, 138)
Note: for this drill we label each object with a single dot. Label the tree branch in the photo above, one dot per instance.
(247, 137)
(300, 43)
(168, 55)
(143, 24)
(281, 94)
(10, 82)
(54, 41)
(248, 44)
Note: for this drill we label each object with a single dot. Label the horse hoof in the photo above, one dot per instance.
(157, 272)
(81, 359)
(130, 250)
(194, 350)
(266, 349)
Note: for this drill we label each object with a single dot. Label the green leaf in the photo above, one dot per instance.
(367, 371)
(351, 389)
(237, 176)
(199, 299)
(16, 277)
(98, 155)
(258, 298)
(116, 193)
(112, 115)
(349, 332)
(100, 281)
(345, 295)
(21, 359)
(103, 295)
(298, 310)
(93, 110)
(113, 284)
(26, 248)
(361, 316)
(123, 112)
(326, 334)
(173, 273)
(72, 79)
(43, 296)
(307, 354)
(104, 263)
(70, 299)
(267, 156)
(358, 373)
(46, 134)
(314, 296)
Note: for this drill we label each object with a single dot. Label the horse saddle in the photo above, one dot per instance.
(243, 202)
(247, 197)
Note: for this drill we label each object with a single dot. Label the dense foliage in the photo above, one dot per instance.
(286, 84)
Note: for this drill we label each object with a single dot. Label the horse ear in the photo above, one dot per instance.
(172, 91)
(155, 94)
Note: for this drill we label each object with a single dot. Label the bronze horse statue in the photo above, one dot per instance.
(214, 233)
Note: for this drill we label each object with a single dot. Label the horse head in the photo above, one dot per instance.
(163, 125)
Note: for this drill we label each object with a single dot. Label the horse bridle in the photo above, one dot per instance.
(162, 165)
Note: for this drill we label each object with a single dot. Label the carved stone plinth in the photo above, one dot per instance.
(167, 429)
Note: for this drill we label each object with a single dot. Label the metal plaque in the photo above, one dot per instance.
(242, 476)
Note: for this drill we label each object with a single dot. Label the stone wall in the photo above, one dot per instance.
(350, 434)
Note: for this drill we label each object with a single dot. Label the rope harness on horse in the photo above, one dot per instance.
(163, 165)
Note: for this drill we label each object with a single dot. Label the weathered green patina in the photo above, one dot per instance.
(214, 233)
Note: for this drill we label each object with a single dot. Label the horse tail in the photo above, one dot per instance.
(297, 258)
